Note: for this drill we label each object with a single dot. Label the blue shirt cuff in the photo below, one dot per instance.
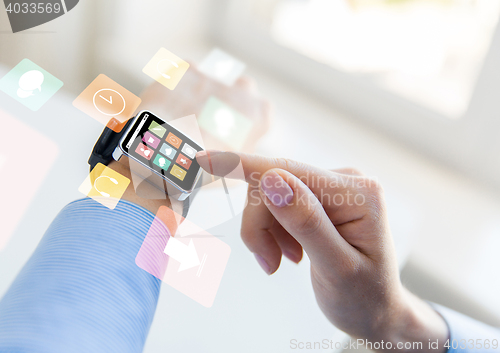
(468, 335)
(81, 290)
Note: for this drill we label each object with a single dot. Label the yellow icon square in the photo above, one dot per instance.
(105, 186)
(178, 172)
(166, 68)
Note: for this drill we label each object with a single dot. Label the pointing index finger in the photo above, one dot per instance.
(224, 164)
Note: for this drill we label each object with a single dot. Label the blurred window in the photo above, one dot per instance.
(424, 71)
(428, 51)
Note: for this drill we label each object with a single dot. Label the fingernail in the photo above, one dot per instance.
(263, 264)
(218, 163)
(276, 189)
(208, 153)
(204, 158)
(291, 256)
(201, 154)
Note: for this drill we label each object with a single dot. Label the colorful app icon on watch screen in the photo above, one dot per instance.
(151, 140)
(189, 151)
(178, 172)
(143, 151)
(174, 140)
(162, 162)
(172, 158)
(168, 151)
(157, 129)
(183, 161)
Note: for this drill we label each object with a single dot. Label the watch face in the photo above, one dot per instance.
(164, 149)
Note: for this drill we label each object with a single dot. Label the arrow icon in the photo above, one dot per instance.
(185, 254)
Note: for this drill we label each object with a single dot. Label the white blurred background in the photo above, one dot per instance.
(405, 90)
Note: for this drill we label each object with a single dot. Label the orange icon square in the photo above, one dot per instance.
(104, 99)
(183, 161)
(173, 140)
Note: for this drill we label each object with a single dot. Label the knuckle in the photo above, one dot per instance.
(287, 164)
(374, 200)
(372, 188)
(355, 171)
(311, 223)
(350, 171)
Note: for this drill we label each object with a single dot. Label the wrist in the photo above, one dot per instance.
(130, 194)
(412, 326)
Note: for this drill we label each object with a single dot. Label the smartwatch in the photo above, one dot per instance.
(161, 154)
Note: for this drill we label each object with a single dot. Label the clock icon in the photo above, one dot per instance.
(109, 102)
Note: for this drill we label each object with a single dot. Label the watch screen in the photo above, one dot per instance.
(164, 149)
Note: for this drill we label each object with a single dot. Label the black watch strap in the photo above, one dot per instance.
(106, 144)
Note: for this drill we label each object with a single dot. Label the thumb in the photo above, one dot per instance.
(301, 214)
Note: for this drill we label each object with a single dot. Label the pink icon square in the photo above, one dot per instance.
(193, 261)
(151, 257)
(151, 139)
(144, 151)
(17, 186)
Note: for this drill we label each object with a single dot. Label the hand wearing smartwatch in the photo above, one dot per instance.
(83, 277)
(155, 152)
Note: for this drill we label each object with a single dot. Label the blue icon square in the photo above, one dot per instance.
(168, 151)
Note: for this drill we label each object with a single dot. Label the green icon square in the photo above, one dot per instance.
(225, 123)
(157, 129)
(30, 85)
(162, 162)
